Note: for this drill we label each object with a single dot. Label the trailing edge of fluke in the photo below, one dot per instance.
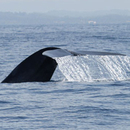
(40, 66)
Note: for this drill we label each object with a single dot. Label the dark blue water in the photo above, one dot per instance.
(56, 105)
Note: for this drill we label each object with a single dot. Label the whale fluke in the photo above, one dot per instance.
(35, 68)
(40, 66)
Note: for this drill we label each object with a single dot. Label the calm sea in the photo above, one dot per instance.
(93, 95)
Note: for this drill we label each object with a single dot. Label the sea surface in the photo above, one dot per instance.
(85, 93)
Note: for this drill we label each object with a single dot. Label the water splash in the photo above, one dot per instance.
(92, 68)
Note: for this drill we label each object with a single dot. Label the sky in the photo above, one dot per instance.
(42, 6)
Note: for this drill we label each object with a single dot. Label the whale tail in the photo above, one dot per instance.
(35, 68)
(40, 66)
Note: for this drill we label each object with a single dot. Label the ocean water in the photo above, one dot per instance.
(86, 92)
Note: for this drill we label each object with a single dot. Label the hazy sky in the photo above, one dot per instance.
(71, 5)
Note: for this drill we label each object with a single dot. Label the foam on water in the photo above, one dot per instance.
(95, 68)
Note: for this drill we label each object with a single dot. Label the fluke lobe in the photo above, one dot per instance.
(40, 66)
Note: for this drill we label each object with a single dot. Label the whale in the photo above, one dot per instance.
(40, 66)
